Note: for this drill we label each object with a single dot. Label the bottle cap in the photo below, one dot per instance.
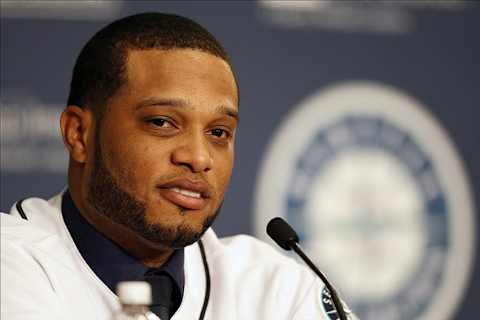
(134, 292)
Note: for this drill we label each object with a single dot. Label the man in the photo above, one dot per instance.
(150, 129)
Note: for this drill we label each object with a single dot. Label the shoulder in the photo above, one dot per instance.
(32, 218)
(38, 233)
(248, 248)
(248, 257)
(24, 275)
(243, 248)
(245, 264)
(39, 263)
(256, 257)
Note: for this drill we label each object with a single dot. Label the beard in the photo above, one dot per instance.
(109, 200)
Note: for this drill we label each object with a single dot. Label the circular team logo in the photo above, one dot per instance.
(379, 197)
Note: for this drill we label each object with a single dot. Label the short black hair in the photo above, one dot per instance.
(100, 67)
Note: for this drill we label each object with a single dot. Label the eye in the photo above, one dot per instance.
(160, 122)
(220, 133)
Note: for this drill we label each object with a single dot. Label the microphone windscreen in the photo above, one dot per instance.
(281, 232)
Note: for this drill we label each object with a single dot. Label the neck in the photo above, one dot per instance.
(151, 255)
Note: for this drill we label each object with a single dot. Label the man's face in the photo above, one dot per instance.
(164, 148)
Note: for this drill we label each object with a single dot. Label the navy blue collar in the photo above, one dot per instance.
(110, 262)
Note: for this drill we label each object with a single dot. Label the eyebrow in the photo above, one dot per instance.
(181, 103)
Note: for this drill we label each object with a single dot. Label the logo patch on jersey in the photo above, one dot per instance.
(329, 307)
(379, 197)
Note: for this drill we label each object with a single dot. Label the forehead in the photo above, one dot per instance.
(180, 72)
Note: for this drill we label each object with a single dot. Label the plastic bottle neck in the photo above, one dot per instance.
(135, 308)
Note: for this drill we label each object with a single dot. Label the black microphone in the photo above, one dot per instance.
(281, 232)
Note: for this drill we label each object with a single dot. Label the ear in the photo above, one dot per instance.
(77, 128)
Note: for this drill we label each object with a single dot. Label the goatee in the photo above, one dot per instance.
(108, 198)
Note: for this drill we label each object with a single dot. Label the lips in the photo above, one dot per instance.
(186, 193)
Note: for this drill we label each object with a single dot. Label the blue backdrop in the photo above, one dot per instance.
(281, 54)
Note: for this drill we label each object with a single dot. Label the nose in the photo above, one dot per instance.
(193, 153)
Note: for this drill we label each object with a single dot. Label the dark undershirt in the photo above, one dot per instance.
(112, 264)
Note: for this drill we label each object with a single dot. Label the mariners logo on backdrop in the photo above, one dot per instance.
(380, 199)
(29, 135)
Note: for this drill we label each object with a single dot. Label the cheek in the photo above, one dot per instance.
(225, 170)
(127, 164)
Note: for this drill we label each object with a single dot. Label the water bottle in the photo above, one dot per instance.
(135, 297)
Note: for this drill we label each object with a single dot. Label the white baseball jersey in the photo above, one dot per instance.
(43, 276)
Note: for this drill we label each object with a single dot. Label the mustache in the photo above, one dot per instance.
(194, 177)
(182, 175)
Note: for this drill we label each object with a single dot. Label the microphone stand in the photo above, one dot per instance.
(333, 293)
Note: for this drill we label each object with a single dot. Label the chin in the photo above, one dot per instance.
(173, 236)
(174, 228)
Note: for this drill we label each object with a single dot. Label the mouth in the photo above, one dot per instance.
(187, 194)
